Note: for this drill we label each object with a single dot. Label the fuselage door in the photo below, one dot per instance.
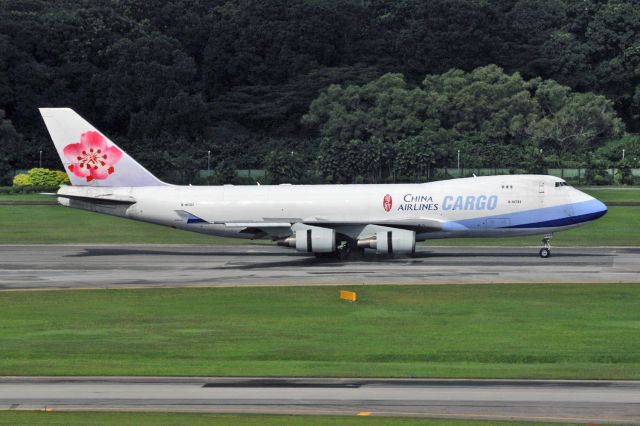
(541, 188)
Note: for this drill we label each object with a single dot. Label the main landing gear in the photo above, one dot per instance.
(545, 251)
(345, 251)
(349, 250)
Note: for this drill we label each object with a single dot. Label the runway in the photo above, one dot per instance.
(558, 401)
(114, 266)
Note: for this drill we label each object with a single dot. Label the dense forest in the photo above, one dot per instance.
(325, 90)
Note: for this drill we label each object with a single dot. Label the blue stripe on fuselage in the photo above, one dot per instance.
(547, 217)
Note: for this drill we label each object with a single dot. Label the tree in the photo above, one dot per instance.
(224, 172)
(152, 74)
(495, 119)
(597, 49)
(485, 105)
(625, 172)
(535, 162)
(628, 145)
(10, 141)
(573, 123)
(414, 157)
(255, 42)
(385, 108)
(596, 171)
(143, 73)
(437, 35)
(284, 165)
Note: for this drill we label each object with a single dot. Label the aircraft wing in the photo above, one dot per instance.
(423, 224)
(281, 228)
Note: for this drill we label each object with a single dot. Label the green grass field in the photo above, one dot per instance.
(166, 419)
(608, 194)
(492, 331)
(57, 224)
(26, 197)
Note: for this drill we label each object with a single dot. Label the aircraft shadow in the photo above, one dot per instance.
(294, 259)
(306, 262)
(90, 252)
(371, 258)
(505, 254)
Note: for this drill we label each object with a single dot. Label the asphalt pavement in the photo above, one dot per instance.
(547, 401)
(62, 266)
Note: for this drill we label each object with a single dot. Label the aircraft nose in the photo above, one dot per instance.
(599, 208)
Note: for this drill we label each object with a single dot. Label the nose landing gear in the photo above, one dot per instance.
(545, 251)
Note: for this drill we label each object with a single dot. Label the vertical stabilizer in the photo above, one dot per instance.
(88, 156)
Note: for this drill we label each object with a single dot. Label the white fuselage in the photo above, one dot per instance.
(471, 207)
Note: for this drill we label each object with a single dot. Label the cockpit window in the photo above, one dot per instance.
(558, 184)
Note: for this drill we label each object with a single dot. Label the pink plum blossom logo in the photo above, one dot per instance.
(91, 158)
(387, 202)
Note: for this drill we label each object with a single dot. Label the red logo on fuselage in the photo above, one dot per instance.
(387, 202)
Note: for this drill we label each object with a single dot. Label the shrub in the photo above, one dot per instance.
(22, 180)
(42, 177)
(62, 178)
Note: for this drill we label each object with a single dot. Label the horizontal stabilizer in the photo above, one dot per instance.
(101, 199)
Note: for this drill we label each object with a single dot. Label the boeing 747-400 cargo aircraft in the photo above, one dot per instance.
(319, 219)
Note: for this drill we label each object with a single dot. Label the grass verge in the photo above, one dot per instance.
(162, 419)
(26, 197)
(57, 224)
(488, 331)
(613, 194)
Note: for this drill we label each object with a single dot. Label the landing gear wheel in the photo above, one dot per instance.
(545, 251)
(343, 253)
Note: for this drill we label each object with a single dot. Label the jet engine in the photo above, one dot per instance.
(313, 239)
(391, 241)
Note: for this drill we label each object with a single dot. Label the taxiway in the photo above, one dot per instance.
(114, 266)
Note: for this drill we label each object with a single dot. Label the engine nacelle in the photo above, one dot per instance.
(313, 239)
(391, 241)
